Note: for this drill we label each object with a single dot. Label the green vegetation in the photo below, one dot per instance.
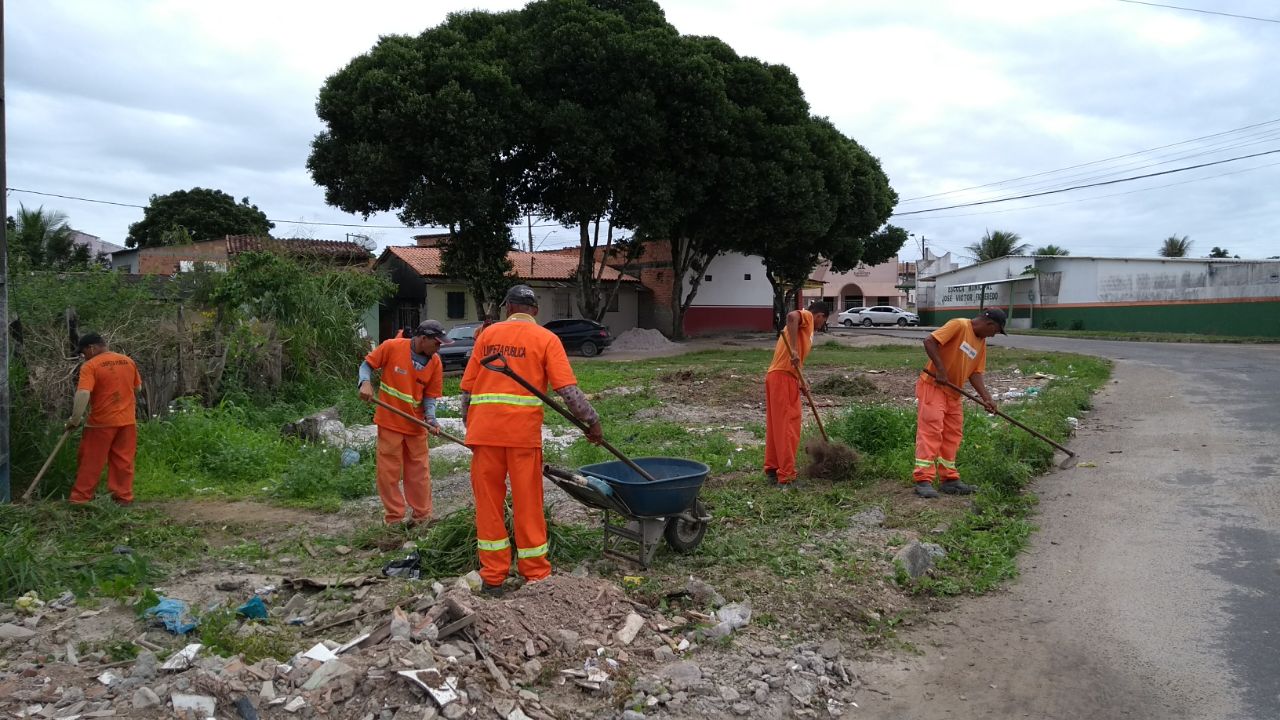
(449, 548)
(97, 549)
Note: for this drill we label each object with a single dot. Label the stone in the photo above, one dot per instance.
(831, 649)
(630, 628)
(9, 631)
(728, 694)
(454, 710)
(518, 714)
(295, 705)
(917, 558)
(743, 709)
(568, 639)
(703, 593)
(532, 669)
(145, 697)
(868, 518)
(450, 650)
(400, 627)
(326, 674)
(71, 695)
(268, 691)
(664, 654)
(145, 665)
(680, 674)
(632, 715)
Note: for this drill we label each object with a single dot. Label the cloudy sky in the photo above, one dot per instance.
(962, 100)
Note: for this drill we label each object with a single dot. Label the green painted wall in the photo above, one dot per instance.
(1243, 318)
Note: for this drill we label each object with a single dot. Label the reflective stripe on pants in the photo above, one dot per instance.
(939, 428)
(490, 468)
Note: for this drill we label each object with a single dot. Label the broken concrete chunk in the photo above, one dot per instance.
(183, 659)
(326, 674)
(295, 705)
(320, 652)
(630, 627)
(268, 691)
(917, 558)
(201, 706)
(703, 593)
(145, 697)
(9, 631)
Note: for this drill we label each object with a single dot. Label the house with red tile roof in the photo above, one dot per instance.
(173, 259)
(423, 290)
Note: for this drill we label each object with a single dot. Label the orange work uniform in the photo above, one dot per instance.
(111, 434)
(782, 403)
(504, 432)
(402, 445)
(939, 415)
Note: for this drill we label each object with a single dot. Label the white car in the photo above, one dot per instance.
(850, 317)
(887, 315)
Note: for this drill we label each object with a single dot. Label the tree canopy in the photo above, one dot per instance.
(1176, 247)
(1219, 253)
(583, 110)
(997, 244)
(42, 240)
(1051, 250)
(193, 216)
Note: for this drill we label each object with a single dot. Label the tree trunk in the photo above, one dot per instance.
(588, 296)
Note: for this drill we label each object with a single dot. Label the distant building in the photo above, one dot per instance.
(1190, 295)
(217, 254)
(99, 249)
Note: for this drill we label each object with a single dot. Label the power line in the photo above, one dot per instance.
(1109, 195)
(1087, 185)
(1198, 10)
(288, 222)
(1095, 162)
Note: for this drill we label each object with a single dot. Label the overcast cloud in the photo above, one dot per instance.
(119, 101)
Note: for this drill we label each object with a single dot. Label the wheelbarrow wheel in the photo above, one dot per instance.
(684, 535)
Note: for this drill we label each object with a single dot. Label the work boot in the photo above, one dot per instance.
(955, 487)
(785, 486)
(925, 490)
(493, 591)
(771, 476)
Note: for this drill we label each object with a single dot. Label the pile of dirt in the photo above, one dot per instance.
(640, 340)
(831, 461)
(844, 386)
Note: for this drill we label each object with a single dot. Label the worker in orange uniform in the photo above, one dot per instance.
(782, 392)
(957, 354)
(412, 381)
(108, 384)
(504, 432)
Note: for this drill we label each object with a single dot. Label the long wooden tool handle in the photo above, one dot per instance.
(497, 363)
(804, 385)
(419, 421)
(35, 483)
(978, 400)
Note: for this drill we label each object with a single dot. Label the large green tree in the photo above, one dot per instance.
(997, 244)
(1176, 247)
(42, 240)
(195, 215)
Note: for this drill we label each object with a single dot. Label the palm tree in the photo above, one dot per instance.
(1051, 250)
(997, 244)
(1175, 246)
(45, 241)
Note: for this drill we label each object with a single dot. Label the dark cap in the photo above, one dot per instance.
(89, 339)
(521, 295)
(997, 316)
(432, 329)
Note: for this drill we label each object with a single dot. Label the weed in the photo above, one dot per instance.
(221, 632)
(449, 547)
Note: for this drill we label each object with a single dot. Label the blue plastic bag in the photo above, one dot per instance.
(255, 609)
(173, 613)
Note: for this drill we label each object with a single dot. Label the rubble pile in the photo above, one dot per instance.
(557, 648)
(640, 340)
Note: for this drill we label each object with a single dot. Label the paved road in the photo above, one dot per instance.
(1153, 587)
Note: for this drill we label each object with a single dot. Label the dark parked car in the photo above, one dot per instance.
(585, 336)
(455, 356)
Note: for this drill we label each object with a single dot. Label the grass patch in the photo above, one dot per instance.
(449, 547)
(52, 548)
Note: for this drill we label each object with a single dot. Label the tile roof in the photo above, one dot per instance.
(296, 246)
(552, 265)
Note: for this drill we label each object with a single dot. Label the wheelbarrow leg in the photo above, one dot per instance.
(644, 533)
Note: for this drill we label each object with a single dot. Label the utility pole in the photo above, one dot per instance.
(4, 287)
(529, 220)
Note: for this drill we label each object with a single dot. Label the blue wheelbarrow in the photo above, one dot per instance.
(653, 497)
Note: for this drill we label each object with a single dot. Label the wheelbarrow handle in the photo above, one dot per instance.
(419, 421)
(498, 363)
(979, 400)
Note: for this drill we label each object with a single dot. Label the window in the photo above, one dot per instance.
(456, 305)
(563, 304)
(706, 278)
(746, 276)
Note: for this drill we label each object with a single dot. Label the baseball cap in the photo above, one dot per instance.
(88, 339)
(998, 316)
(522, 295)
(433, 329)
